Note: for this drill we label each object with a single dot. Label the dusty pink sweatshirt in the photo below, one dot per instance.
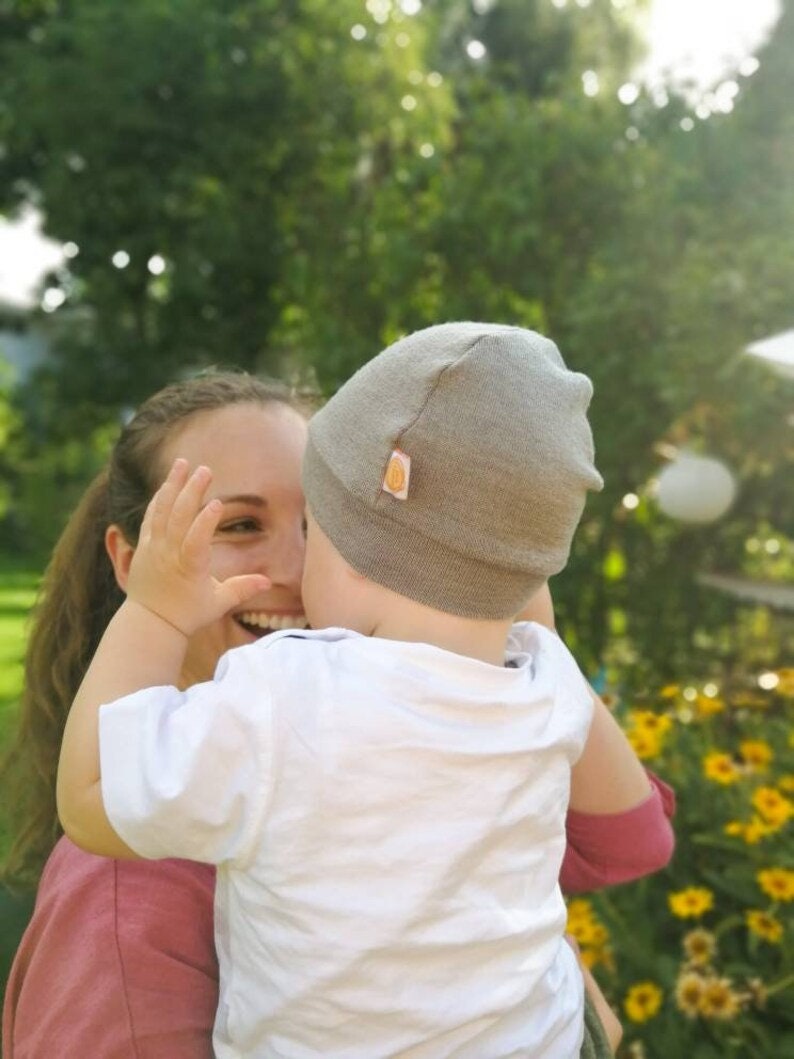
(118, 961)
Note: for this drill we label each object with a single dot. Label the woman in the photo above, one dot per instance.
(134, 941)
(118, 961)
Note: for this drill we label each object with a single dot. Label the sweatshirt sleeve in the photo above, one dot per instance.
(610, 848)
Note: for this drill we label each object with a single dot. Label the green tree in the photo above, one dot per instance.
(173, 134)
(319, 178)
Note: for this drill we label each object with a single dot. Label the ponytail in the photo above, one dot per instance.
(77, 599)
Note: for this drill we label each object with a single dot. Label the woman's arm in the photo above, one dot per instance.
(608, 777)
(604, 849)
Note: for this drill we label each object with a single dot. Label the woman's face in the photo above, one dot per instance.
(255, 454)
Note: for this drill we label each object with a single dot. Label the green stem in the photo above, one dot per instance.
(778, 986)
(728, 924)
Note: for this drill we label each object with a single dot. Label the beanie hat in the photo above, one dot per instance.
(453, 467)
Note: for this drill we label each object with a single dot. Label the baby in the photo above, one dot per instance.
(385, 795)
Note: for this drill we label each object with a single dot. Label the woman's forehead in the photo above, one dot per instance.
(213, 427)
(242, 443)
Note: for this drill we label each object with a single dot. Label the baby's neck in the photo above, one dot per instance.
(472, 637)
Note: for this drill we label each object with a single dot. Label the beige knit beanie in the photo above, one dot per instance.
(453, 467)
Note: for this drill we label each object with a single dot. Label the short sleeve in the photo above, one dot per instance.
(573, 697)
(186, 773)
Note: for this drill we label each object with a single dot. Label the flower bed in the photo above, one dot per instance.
(698, 959)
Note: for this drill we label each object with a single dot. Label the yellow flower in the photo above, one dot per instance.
(777, 883)
(689, 993)
(707, 705)
(600, 935)
(756, 752)
(756, 992)
(720, 768)
(585, 931)
(580, 916)
(646, 744)
(786, 783)
(773, 807)
(764, 925)
(669, 691)
(691, 902)
(580, 908)
(756, 830)
(751, 832)
(642, 1001)
(700, 946)
(591, 957)
(650, 722)
(718, 1000)
(584, 925)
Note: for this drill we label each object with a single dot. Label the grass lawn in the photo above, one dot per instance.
(17, 593)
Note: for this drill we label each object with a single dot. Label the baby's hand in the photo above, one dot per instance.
(170, 573)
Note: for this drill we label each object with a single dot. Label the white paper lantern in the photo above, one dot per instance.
(696, 488)
(776, 352)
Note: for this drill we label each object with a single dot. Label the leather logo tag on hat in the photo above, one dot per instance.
(398, 474)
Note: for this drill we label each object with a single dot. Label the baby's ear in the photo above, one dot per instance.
(120, 553)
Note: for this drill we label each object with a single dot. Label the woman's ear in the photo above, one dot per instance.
(120, 553)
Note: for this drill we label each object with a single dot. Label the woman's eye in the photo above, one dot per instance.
(240, 525)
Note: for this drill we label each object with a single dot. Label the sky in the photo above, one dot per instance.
(701, 37)
(689, 39)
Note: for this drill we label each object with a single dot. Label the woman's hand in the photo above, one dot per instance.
(170, 574)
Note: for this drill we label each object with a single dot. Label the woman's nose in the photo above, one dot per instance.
(284, 561)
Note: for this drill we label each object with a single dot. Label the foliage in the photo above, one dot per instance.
(180, 132)
(8, 422)
(699, 959)
(311, 180)
(41, 481)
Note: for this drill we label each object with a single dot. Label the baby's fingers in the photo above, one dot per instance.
(236, 590)
(198, 537)
(158, 510)
(187, 506)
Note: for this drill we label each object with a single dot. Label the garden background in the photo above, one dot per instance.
(288, 185)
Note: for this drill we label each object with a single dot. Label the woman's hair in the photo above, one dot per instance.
(79, 595)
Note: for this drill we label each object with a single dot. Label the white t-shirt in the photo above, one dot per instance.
(388, 821)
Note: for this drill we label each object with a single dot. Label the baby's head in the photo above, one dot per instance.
(452, 468)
